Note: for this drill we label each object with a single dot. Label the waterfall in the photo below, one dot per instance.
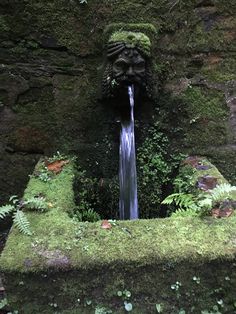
(127, 173)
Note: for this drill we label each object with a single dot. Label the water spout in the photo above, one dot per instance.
(127, 173)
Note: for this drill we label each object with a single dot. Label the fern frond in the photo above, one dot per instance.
(36, 203)
(171, 198)
(222, 192)
(182, 200)
(205, 203)
(6, 210)
(21, 222)
(189, 212)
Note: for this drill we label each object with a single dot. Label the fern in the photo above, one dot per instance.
(222, 192)
(170, 199)
(36, 203)
(15, 209)
(6, 210)
(190, 205)
(205, 203)
(182, 200)
(87, 215)
(21, 222)
(90, 215)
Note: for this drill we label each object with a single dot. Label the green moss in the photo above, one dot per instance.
(212, 171)
(141, 256)
(58, 266)
(133, 39)
(221, 71)
(84, 244)
(204, 104)
(193, 169)
(148, 29)
(142, 242)
(60, 185)
(224, 159)
(4, 27)
(208, 117)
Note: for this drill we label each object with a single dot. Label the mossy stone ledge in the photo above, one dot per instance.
(79, 267)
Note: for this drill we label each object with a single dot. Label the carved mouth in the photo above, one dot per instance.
(127, 82)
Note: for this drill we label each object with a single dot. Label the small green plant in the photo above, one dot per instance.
(114, 83)
(128, 306)
(126, 295)
(44, 175)
(57, 156)
(87, 198)
(176, 287)
(87, 215)
(15, 209)
(155, 167)
(185, 182)
(3, 303)
(159, 308)
(102, 310)
(196, 279)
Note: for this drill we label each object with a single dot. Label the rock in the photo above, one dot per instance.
(51, 43)
(28, 139)
(14, 85)
(207, 182)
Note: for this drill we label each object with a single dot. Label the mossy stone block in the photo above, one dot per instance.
(77, 267)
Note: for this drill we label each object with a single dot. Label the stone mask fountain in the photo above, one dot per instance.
(126, 80)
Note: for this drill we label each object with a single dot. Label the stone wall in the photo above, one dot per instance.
(50, 54)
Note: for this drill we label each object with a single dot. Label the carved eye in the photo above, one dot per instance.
(120, 65)
(139, 66)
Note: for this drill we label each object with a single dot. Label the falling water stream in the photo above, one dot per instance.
(127, 172)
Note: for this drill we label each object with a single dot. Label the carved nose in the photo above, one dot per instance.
(130, 72)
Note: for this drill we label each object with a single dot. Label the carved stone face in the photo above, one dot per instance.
(129, 67)
(125, 66)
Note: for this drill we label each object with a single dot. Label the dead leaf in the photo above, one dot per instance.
(220, 213)
(56, 166)
(193, 161)
(106, 224)
(207, 182)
